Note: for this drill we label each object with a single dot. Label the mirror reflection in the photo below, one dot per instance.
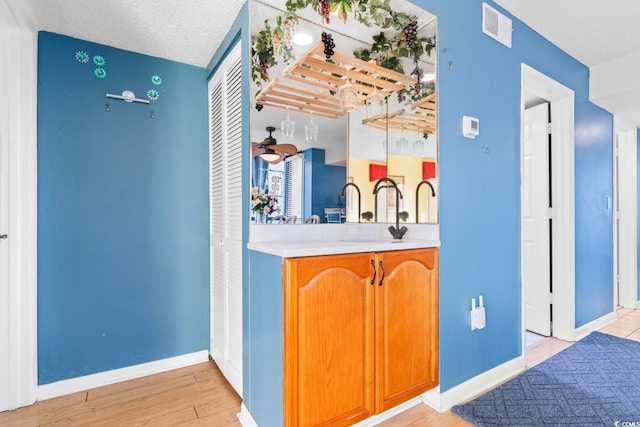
(324, 131)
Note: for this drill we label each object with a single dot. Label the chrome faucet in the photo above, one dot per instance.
(342, 195)
(397, 232)
(433, 194)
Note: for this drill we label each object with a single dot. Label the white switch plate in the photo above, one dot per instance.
(470, 127)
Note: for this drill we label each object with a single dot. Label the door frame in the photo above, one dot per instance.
(562, 101)
(626, 209)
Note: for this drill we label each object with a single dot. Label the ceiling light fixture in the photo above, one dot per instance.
(428, 77)
(302, 38)
(269, 155)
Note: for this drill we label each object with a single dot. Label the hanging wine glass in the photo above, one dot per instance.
(375, 102)
(311, 130)
(402, 144)
(288, 127)
(418, 146)
(348, 95)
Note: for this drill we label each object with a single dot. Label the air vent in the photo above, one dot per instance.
(496, 25)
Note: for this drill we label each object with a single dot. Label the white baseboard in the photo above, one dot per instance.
(388, 414)
(245, 417)
(441, 402)
(594, 325)
(477, 385)
(87, 382)
(247, 420)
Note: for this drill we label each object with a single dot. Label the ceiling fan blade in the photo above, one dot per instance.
(257, 148)
(289, 149)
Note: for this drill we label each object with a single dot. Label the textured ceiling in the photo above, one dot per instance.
(592, 31)
(187, 31)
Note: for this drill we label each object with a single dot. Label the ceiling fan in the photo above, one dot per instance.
(270, 151)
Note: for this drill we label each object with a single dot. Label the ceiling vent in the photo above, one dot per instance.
(496, 25)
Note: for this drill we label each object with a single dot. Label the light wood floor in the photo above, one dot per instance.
(199, 395)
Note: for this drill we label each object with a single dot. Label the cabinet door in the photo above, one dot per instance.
(328, 340)
(406, 326)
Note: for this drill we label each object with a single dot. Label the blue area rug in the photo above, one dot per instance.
(595, 382)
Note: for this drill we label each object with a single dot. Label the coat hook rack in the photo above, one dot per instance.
(128, 96)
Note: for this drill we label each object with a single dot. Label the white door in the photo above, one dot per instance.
(625, 216)
(535, 205)
(225, 211)
(5, 308)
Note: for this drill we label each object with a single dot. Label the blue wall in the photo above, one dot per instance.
(263, 380)
(123, 240)
(480, 187)
(594, 213)
(322, 183)
(480, 192)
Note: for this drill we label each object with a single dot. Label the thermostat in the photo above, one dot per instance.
(470, 126)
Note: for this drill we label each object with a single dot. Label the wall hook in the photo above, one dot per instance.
(107, 107)
(152, 114)
(128, 96)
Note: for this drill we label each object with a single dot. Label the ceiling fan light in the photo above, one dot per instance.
(269, 155)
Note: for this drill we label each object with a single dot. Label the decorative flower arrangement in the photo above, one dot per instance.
(263, 203)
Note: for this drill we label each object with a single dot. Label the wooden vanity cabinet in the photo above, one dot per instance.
(360, 334)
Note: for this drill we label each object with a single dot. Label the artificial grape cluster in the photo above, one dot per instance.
(410, 34)
(325, 8)
(401, 96)
(327, 39)
(264, 69)
(332, 92)
(418, 85)
(259, 107)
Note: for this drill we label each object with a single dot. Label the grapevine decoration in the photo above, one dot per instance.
(273, 44)
(325, 8)
(327, 39)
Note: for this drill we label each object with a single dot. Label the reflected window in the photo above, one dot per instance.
(295, 187)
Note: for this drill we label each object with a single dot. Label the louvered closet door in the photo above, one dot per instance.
(225, 207)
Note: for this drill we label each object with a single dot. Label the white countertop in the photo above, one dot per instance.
(297, 240)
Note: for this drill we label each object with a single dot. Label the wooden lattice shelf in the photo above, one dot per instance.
(312, 85)
(308, 83)
(421, 118)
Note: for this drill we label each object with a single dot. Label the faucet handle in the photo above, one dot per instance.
(397, 233)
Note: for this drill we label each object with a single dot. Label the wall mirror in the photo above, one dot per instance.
(342, 102)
